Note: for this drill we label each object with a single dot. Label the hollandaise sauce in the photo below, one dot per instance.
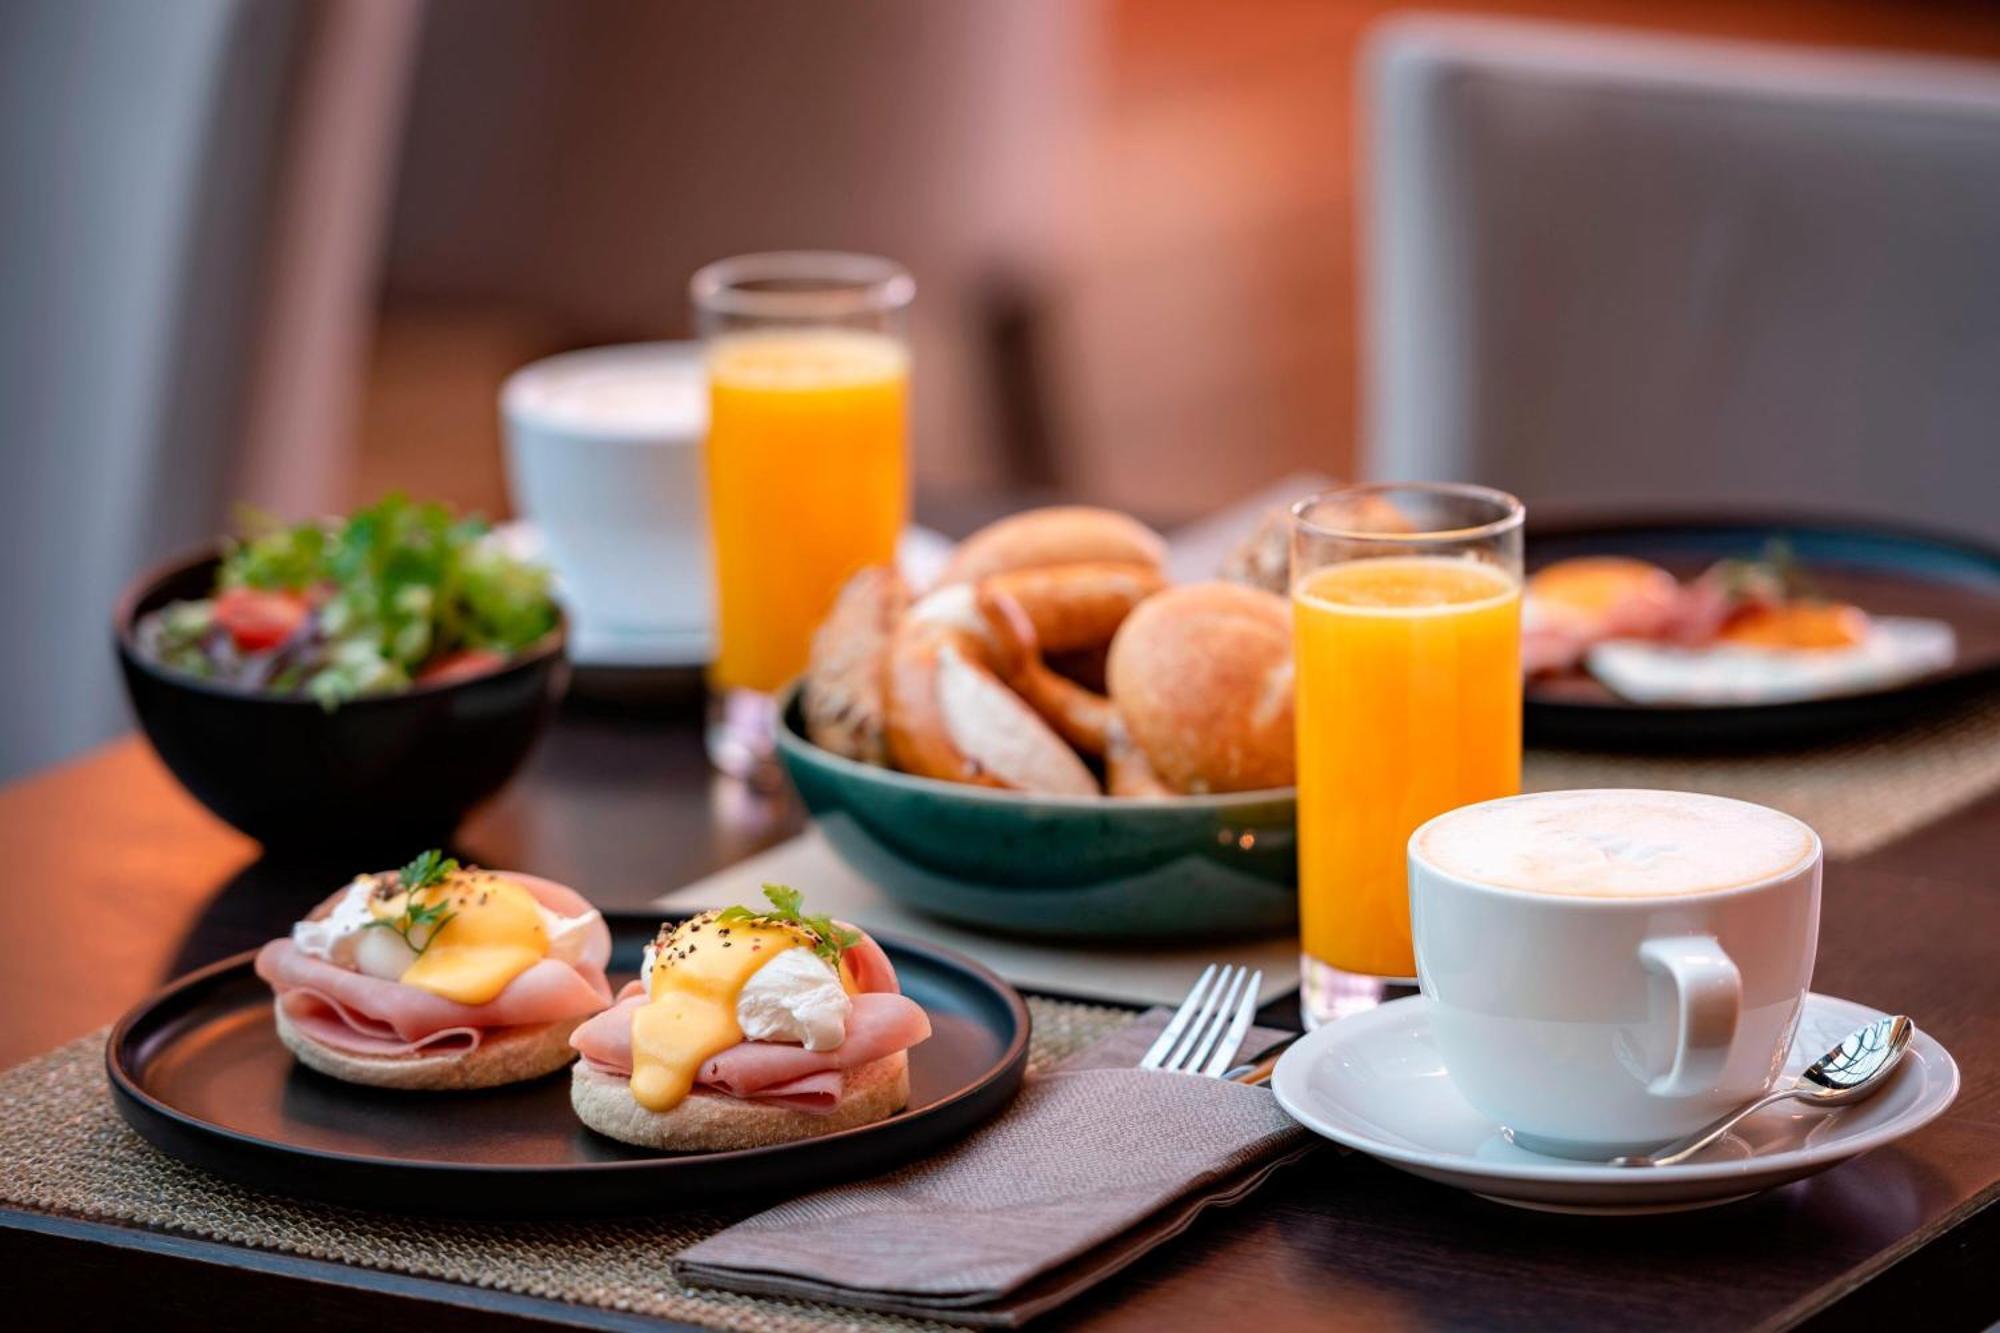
(476, 931)
(690, 1015)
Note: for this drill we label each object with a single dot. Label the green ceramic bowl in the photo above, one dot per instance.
(1048, 865)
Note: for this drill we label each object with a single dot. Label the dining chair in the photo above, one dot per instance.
(1611, 267)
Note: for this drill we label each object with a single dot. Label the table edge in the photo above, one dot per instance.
(229, 1255)
(487, 1300)
(1829, 1297)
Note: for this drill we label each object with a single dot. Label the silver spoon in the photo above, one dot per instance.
(1851, 1071)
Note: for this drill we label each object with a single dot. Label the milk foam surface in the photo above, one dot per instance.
(640, 390)
(1615, 844)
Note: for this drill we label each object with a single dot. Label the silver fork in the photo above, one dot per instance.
(1207, 1031)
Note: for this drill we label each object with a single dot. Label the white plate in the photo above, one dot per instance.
(1376, 1083)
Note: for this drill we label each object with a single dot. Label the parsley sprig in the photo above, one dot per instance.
(1779, 570)
(428, 868)
(830, 941)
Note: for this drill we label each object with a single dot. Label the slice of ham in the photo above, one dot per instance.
(366, 1015)
(882, 1022)
(330, 1023)
(815, 1094)
(605, 1042)
(1551, 647)
(869, 966)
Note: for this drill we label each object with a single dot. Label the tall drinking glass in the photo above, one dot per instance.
(1406, 608)
(808, 464)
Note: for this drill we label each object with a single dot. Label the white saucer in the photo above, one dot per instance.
(591, 646)
(1376, 1083)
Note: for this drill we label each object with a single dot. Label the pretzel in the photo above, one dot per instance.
(957, 686)
(951, 713)
(1065, 609)
(1127, 772)
(1076, 606)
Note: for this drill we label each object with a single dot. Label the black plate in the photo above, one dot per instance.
(198, 1070)
(1888, 570)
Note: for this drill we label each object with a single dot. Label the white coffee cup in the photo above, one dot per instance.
(1609, 970)
(604, 459)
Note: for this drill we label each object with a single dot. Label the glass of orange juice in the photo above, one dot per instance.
(808, 464)
(1406, 612)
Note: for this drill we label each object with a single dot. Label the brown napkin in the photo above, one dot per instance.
(1094, 1165)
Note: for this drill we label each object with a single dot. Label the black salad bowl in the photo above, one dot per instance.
(389, 770)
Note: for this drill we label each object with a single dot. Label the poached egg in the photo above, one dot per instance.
(711, 984)
(794, 996)
(473, 933)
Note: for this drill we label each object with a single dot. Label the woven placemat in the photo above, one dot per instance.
(64, 1150)
(1859, 794)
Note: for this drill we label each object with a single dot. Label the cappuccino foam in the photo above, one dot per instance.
(1616, 844)
(643, 390)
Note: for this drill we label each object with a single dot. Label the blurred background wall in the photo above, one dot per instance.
(567, 167)
(285, 251)
(1133, 222)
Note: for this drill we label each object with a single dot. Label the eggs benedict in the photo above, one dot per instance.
(1742, 632)
(439, 976)
(749, 1028)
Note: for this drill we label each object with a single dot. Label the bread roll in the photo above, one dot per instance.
(713, 1122)
(1263, 559)
(504, 1055)
(1058, 535)
(844, 697)
(1201, 679)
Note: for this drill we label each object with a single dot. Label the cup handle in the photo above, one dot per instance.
(1708, 995)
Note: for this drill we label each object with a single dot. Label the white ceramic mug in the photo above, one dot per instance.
(604, 458)
(1592, 1025)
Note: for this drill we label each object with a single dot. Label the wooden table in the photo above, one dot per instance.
(117, 881)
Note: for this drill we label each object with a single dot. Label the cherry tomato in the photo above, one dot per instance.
(257, 619)
(461, 665)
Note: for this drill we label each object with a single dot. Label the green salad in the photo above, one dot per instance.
(398, 593)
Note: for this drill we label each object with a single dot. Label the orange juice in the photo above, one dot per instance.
(808, 481)
(1409, 704)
